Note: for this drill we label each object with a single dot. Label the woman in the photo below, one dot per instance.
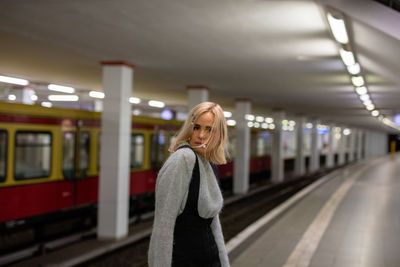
(186, 229)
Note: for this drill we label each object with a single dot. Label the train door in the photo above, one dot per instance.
(158, 150)
(3, 155)
(76, 164)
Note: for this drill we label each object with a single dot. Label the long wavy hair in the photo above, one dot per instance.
(216, 150)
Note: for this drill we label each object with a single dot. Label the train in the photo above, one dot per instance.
(49, 167)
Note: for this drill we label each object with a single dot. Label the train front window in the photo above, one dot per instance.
(137, 150)
(3, 155)
(68, 155)
(157, 150)
(32, 155)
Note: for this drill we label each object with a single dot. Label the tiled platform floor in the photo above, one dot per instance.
(362, 231)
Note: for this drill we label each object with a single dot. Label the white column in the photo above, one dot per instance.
(24, 95)
(242, 153)
(300, 167)
(98, 105)
(277, 172)
(352, 141)
(314, 158)
(330, 156)
(359, 144)
(196, 95)
(342, 148)
(115, 151)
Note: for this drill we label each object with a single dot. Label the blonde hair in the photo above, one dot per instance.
(217, 143)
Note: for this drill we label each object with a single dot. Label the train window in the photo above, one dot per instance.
(157, 150)
(68, 163)
(32, 155)
(3, 155)
(137, 150)
(84, 153)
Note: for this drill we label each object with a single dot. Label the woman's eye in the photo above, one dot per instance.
(196, 127)
(208, 129)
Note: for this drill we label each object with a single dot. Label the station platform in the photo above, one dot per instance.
(351, 218)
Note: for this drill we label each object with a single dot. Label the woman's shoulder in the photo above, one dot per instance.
(184, 154)
(180, 161)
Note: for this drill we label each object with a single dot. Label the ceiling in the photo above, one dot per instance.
(279, 54)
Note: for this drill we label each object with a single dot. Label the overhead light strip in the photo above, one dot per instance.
(61, 88)
(63, 98)
(12, 80)
(338, 28)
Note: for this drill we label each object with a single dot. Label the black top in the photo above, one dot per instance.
(194, 243)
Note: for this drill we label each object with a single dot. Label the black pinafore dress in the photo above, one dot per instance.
(194, 243)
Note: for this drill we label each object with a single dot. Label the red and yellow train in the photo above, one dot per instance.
(49, 160)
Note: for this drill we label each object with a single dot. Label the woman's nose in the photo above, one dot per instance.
(202, 133)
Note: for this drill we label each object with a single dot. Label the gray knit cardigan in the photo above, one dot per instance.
(171, 194)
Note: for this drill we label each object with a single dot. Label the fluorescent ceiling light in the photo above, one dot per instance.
(309, 125)
(63, 97)
(136, 112)
(354, 69)
(156, 104)
(272, 126)
(346, 131)
(46, 104)
(134, 100)
(12, 97)
(34, 97)
(357, 81)
(250, 124)
(96, 94)
(6, 79)
(367, 102)
(264, 125)
(347, 57)
(231, 122)
(364, 97)
(361, 90)
(61, 88)
(269, 120)
(227, 114)
(249, 117)
(375, 113)
(338, 29)
(370, 107)
(259, 119)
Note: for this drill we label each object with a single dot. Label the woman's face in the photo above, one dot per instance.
(202, 128)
